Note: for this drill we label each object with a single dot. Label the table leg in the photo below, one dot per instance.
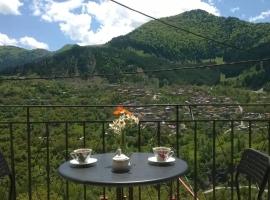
(171, 190)
(158, 186)
(140, 193)
(119, 193)
(130, 193)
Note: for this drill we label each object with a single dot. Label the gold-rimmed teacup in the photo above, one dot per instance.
(81, 155)
(162, 154)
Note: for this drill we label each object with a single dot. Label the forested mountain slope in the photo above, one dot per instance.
(176, 45)
(11, 56)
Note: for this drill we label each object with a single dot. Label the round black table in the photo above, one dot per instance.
(141, 172)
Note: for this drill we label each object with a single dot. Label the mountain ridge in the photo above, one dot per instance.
(11, 56)
(188, 47)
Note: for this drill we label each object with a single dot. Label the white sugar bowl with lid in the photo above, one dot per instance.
(120, 162)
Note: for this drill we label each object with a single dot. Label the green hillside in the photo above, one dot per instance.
(161, 40)
(89, 60)
(11, 57)
(156, 46)
(110, 62)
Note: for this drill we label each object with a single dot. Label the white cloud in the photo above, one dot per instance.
(32, 43)
(25, 42)
(262, 16)
(211, 2)
(5, 40)
(37, 6)
(10, 7)
(76, 18)
(233, 10)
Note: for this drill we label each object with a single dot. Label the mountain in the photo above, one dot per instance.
(89, 60)
(176, 45)
(11, 56)
(156, 46)
(66, 48)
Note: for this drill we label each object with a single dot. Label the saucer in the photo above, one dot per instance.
(89, 162)
(153, 161)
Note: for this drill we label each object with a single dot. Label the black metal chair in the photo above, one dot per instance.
(255, 166)
(5, 171)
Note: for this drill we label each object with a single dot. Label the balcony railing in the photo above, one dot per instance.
(210, 137)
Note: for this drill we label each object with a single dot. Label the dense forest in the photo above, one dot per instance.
(176, 45)
(11, 57)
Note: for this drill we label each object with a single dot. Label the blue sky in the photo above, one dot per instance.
(50, 24)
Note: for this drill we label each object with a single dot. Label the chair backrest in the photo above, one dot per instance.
(4, 169)
(255, 165)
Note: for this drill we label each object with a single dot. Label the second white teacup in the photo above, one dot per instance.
(162, 153)
(81, 155)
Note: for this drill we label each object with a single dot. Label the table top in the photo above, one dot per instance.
(141, 171)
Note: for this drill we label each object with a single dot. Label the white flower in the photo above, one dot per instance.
(124, 121)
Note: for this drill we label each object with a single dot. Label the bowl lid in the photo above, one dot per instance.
(121, 157)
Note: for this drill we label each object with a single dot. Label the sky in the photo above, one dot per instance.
(50, 24)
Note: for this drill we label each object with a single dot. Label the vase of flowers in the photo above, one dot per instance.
(125, 120)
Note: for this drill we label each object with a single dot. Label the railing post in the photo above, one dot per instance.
(249, 145)
(12, 159)
(214, 160)
(158, 134)
(139, 149)
(159, 143)
(139, 137)
(103, 138)
(48, 160)
(177, 149)
(268, 154)
(84, 130)
(103, 151)
(195, 161)
(84, 186)
(29, 153)
(66, 140)
(177, 131)
(232, 152)
(249, 134)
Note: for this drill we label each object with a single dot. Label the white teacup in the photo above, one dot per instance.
(81, 155)
(162, 153)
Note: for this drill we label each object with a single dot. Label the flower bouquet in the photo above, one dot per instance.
(120, 126)
(124, 122)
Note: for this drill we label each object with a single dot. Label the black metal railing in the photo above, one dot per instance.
(38, 138)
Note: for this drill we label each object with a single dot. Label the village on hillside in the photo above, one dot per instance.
(198, 105)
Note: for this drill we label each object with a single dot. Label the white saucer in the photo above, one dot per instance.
(89, 162)
(153, 160)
